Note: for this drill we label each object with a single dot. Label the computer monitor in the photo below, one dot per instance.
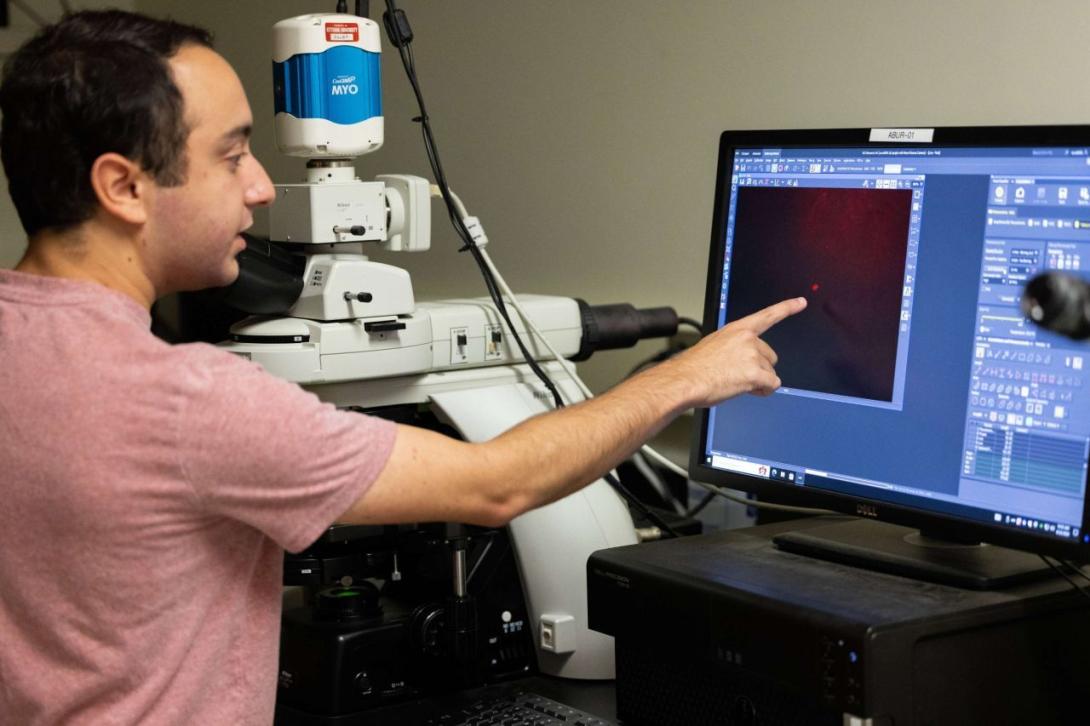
(914, 389)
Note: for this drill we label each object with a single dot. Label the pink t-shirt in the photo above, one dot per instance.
(147, 494)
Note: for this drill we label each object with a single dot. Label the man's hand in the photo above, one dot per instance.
(734, 359)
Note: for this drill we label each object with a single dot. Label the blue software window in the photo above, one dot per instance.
(912, 375)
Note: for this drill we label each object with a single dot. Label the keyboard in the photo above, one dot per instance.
(519, 708)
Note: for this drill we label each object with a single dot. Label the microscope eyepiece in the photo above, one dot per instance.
(608, 327)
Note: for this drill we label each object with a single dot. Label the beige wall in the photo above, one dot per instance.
(583, 132)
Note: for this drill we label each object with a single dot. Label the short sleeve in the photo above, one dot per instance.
(263, 451)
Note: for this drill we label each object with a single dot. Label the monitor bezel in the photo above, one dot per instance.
(934, 523)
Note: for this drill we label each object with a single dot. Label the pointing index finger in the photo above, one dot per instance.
(762, 320)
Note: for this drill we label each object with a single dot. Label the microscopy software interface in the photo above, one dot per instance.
(912, 377)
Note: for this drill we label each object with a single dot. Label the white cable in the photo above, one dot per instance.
(510, 297)
(569, 368)
(648, 472)
(437, 192)
(669, 464)
(567, 365)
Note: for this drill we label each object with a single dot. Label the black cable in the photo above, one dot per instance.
(342, 6)
(408, 61)
(692, 324)
(668, 352)
(659, 357)
(1076, 568)
(404, 45)
(701, 505)
(640, 506)
(1063, 574)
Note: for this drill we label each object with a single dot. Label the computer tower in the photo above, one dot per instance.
(728, 629)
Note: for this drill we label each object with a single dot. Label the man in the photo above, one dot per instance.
(149, 491)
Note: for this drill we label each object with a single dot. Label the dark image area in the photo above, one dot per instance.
(844, 251)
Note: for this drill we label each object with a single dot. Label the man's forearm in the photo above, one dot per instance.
(554, 454)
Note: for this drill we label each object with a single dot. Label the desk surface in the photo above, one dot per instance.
(597, 698)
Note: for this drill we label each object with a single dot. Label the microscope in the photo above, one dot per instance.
(457, 605)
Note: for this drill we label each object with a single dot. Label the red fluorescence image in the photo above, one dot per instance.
(842, 249)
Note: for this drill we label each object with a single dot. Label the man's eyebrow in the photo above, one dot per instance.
(239, 133)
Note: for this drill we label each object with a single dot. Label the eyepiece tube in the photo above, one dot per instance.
(620, 325)
(270, 279)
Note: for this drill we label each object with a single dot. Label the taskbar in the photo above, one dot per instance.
(892, 494)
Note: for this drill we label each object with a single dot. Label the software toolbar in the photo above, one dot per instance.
(1028, 414)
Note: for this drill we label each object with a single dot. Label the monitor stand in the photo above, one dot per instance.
(910, 553)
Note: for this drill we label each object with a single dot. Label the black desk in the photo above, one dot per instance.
(594, 697)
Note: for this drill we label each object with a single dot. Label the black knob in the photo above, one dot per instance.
(356, 229)
(359, 296)
(363, 683)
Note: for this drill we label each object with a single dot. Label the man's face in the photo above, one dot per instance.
(192, 236)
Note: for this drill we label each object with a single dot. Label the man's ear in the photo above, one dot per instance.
(121, 187)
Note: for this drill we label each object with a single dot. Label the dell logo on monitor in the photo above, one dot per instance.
(866, 510)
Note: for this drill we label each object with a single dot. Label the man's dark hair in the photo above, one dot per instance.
(93, 83)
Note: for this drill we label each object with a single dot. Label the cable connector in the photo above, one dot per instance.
(397, 27)
(476, 231)
(648, 534)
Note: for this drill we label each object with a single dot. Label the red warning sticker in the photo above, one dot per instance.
(342, 32)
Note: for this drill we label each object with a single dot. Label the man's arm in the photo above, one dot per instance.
(431, 477)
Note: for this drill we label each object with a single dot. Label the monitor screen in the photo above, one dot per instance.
(914, 389)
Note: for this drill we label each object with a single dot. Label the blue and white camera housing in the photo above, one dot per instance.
(327, 86)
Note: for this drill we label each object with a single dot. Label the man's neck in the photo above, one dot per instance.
(85, 253)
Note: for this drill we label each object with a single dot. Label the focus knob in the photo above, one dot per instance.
(363, 683)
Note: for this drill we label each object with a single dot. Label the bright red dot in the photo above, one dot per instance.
(815, 287)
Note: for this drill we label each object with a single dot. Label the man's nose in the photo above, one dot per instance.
(260, 191)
